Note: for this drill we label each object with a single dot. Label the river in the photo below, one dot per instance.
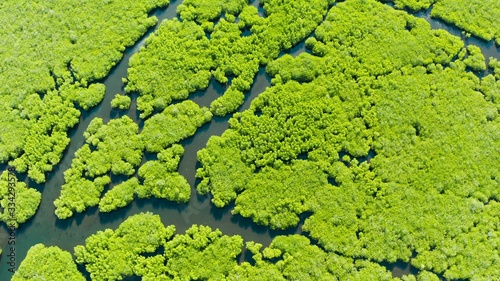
(45, 228)
(488, 48)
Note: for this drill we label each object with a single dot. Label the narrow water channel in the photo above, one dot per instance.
(45, 228)
(488, 48)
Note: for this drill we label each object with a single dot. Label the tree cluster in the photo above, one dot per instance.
(39, 132)
(494, 65)
(175, 123)
(379, 81)
(478, 17)
(53, 53)
(475, 59)
(200, 254)
(175, 62)
(142, 246)
(119, 195)
(383, 134)
(211, 42)
(115, 147)
(205, 254)
(19, 202)
(113, 254)
(161, 179)
(121, 102)
(47, 263)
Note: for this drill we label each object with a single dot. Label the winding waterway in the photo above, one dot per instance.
(488, 48)
(45, 228)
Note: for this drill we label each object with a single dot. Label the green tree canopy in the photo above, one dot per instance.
(161, 179)
(121, 102)
(209, 41)
(175, 123)
(19, 202)
(53, 53)
(47, 263)
(175, 62)
(478, 17)
(113, 254)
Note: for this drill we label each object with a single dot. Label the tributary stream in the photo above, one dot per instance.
(45, 228)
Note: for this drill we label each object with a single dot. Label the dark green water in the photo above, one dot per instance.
(488, 48)
(45, 228)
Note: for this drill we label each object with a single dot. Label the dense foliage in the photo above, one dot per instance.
(52, 54)
(112, 255)
(35, 131)
(115, 147)
(494, 65)
(208, 42)
(175, 62)
(200, 254)
(292, 119)
(475, 60)
(119, 195)
(380, 81)
(161, 179)
(294, 258)
(19, 202)
(142, 246)
(384, 135)
(175, 123)
(121, 102)
(47, 263)
(205, 254)
(478, 17)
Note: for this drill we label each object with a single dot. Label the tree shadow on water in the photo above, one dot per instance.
(400, 268)
(64, 224)
(84, 272)
(219, 213)
(157, 205)
(245, 256)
